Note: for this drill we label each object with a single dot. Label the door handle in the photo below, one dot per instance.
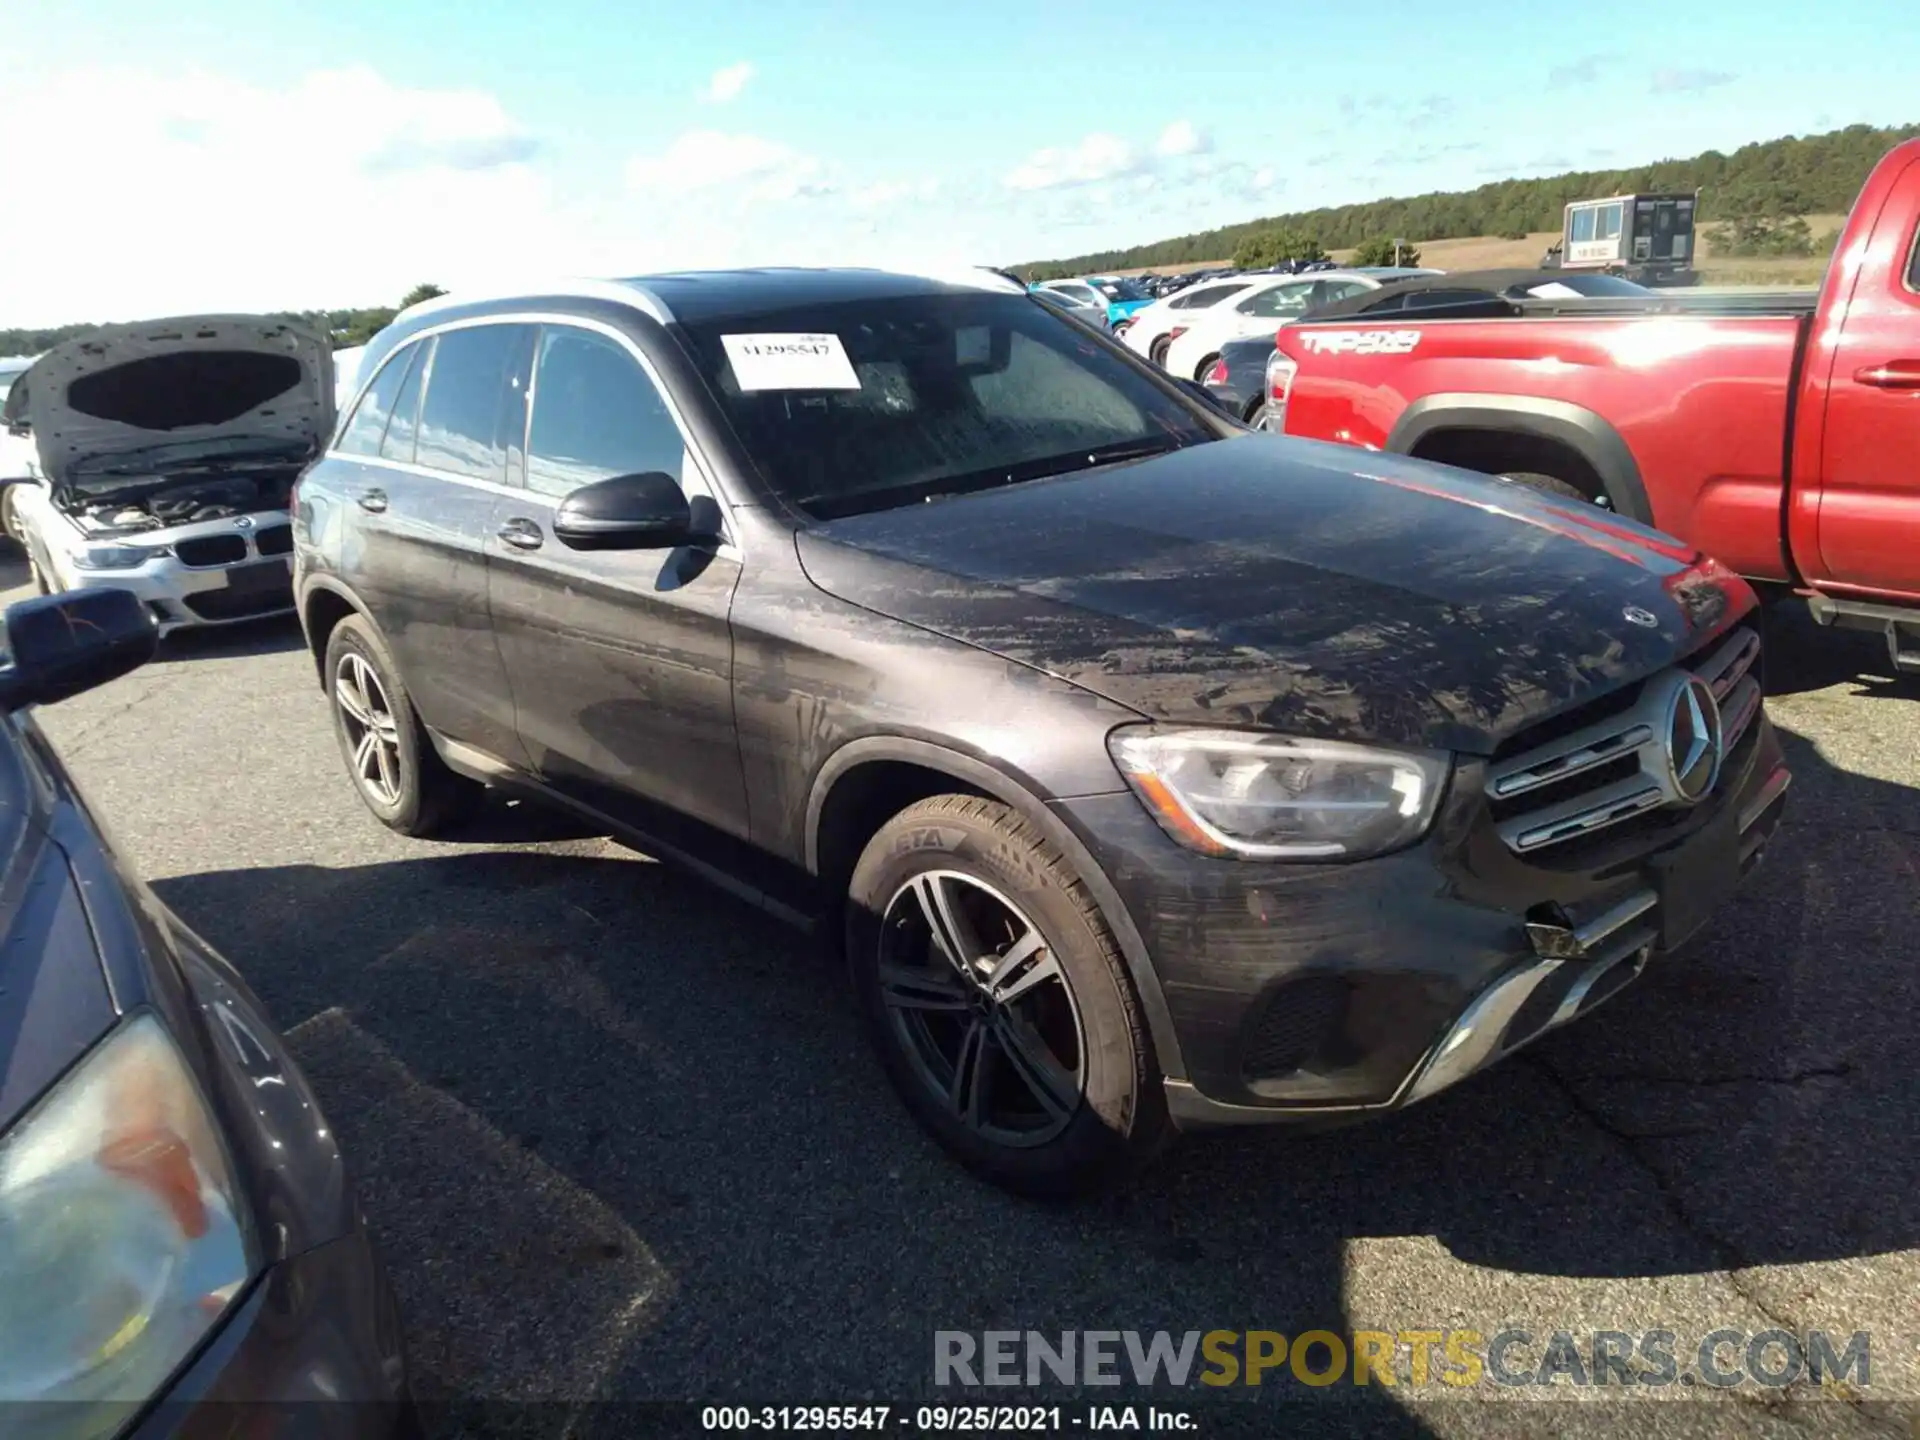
(1890, 375)
(374, 500)
(522, 534)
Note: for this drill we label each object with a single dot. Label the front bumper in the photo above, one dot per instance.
(313, 1350)
(1325, 993)
(245, 573)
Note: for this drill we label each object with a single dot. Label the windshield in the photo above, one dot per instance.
(1121, 290)
(901, 400)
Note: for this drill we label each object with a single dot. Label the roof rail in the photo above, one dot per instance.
(579, 287)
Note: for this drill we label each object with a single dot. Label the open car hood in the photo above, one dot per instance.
(114, 408)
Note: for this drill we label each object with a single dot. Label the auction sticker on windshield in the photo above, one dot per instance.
(790, 362)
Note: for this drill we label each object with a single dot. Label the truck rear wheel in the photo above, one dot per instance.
(1554, 485)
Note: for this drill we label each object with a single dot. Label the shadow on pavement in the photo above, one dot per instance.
(621, 1138)
(1803, 656)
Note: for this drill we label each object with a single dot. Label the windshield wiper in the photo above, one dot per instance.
(840, 506)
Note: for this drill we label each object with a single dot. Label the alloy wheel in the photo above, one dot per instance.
(983, 1009)
(373, 732)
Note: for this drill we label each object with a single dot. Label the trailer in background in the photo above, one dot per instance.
(1645, 238)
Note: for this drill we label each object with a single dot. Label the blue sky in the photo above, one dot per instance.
(238, 155)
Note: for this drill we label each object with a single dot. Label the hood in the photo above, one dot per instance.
(1294, 586)
(117, 406)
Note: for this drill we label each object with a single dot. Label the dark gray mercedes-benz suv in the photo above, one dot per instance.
(1154, 773)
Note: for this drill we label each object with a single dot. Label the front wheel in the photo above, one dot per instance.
(999, 1003)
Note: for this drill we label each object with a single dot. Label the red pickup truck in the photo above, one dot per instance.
(1780, 434)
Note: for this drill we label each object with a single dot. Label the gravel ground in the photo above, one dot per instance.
(621, 1140)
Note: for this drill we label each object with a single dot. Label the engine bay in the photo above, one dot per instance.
(183, 502)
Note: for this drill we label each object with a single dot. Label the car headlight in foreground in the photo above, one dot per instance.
(113, 557)
(1273, 797)
(121, 1238)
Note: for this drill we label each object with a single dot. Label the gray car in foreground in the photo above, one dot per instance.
(181, 1252)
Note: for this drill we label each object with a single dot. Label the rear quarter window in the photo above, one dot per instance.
(368, 423)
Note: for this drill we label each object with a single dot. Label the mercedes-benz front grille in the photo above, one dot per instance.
(1615, 761)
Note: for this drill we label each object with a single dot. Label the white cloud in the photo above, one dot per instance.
(191, 191)
(712, 160)
(1183, 137)
(887, 193)
(186, 191)
(1096, 158)
(728, 82)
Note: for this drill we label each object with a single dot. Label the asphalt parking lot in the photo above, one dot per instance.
(621, 1139)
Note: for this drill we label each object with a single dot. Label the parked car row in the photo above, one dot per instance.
(1137, 764)
(1184, 333)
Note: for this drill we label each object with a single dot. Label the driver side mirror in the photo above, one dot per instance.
(60, 645)
(630, 512)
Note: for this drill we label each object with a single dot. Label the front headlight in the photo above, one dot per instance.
(1272, 797)
(121, 1242)
(113, 557)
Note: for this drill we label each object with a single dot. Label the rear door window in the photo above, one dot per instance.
(1280, 300)
(463, 423)
(368, 423)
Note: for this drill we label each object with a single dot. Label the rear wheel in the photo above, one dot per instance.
(1206, 364)
(998, 1001)
(1262, 416)
(1554, 485)
(1157, 352)
(397, 772)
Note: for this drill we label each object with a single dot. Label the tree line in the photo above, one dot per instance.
(1771, 180)
(344, 328)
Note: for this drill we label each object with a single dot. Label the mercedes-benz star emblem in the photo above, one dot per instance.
(1693, 740)
(1644, 618)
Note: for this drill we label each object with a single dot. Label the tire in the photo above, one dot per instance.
(1206, 364)
(36, 572)
(1258, 416)
(1554, 485)
(1071, 1002)
(1157, 351)
(402, 779)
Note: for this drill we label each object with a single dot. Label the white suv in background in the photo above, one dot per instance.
(1261, 309)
